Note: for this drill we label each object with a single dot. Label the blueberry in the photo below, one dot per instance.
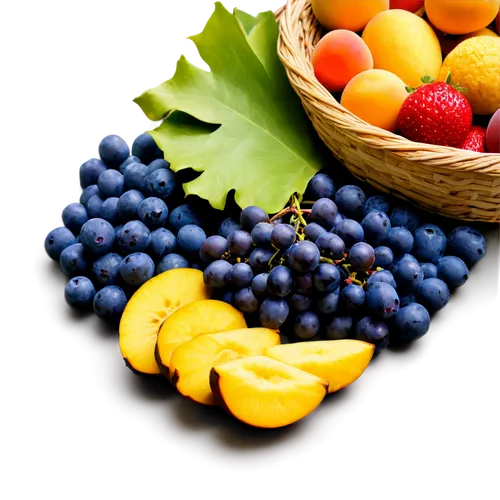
(381, 276)
(410, 323)
(376, 203)
(134, 237)
(408, 275)
(156, 165)
(128, 204)
(127, 162)
(97, 236)
(94, 207)
(111, 183)
(109, 303)
(376, 226)
(137, 268)
(106, 268)
(135, 176)
(384, 257)
(228, 226)
(79, 292)
(89, 171)
(57, 240)
(113, 151)
(145, 148)
(350, 200)
(74, 216)
(373, 331)
(429, 270)
(400, 240)
(433, 294)
(153, 212)
(382, 300)
(161, 183)
(109, 210)
(467, 243)
(163, 242)
(430, 243)
(406, 299)
(74, 260)
(452, 270)
(190, 238)
(88, 192)
(404, 217)
(172, 261)
(182, 216)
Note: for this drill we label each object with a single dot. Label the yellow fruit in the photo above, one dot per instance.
(192, 361)
(147, 309)
(192, 320)
(475, 65)
(339, 362)
(457, 17)
(404, 44)
(263, 392)
(375, 96)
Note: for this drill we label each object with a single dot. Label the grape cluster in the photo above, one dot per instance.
(346, 267)
(333, 264)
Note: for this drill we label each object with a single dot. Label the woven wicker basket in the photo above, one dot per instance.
(446, 181)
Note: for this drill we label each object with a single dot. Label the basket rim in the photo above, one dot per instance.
(292, 15)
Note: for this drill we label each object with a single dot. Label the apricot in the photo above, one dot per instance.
(339, 56)
(375, 96)
(350, 15)
(262, 392)
(459, 18)
(415, 6)
(493, 134)
(392, 38)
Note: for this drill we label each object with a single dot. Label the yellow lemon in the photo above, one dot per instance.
(475, 65)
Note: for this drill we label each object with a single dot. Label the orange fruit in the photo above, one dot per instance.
(475, 65)
(459, 17)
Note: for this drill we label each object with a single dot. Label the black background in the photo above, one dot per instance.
(438, 416)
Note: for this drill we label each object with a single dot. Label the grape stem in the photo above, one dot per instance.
(272, 258)
(299, 212)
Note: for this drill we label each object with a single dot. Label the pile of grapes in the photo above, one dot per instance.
(333, 264)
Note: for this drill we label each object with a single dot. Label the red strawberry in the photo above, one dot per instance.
(475, 140)
(435, 113)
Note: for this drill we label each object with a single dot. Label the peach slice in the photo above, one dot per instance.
(266, 393)
(340, 362)
(192, 361)
(144, 314)
(192, 320)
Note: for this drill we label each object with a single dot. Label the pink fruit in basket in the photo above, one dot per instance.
(435, 113)
(475, 140)
(339, 56)
(347, 14)
(376, 97)
(493, 134)
(415, 6)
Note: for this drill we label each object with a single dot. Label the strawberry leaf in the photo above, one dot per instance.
(241, 124)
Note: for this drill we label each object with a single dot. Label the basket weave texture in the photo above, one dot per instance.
(447, 181)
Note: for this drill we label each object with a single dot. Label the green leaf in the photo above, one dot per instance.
(241, 124)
